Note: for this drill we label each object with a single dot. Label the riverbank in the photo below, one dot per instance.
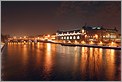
(84, 45)
(88, 45)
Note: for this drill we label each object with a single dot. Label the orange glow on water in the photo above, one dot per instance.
(38, 44)
(48, 59)
(110, 53)
(48, 48)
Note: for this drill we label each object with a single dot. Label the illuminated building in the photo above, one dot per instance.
(88, 33)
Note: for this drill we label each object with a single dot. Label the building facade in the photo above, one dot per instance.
(87, 34)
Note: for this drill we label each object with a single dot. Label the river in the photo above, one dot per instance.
(53, 62)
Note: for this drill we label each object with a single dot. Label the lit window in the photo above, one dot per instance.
(93, 27)
(70, 37)
(64, 37)
(61, 37)
(113, 36)
(82, 31)
(67, 37)
(98, 27)
(74, 37)
(78, 37)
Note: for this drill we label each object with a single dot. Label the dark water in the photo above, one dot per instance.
(45, 61)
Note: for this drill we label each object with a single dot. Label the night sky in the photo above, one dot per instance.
(19, 18)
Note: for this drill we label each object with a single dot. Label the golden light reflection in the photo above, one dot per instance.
(67, 50)
(91, 53)
(112, 54)
(53, 47)
(63, 49)
(83, 59)
(110, 63)
(49, 48)
(38, 44)
(38, 54)
(25, 55)
(76, 59)
(48, 59)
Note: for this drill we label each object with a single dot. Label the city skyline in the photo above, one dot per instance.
(35, 17)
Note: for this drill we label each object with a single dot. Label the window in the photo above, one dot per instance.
(64, 37)
(70, 37)
(82, 31)
(67, 37)
(78, 37)
(74, 37)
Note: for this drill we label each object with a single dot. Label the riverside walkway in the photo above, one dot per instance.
(90, 45)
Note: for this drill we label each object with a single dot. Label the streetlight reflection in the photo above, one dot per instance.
(48, 60)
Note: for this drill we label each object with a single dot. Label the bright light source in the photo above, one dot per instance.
(83, 42)
(78, 37)
(83, 31)
(48, 35)
(91, 42)
(24, 36)
(74, 37)
(70, 37)
(96, 36)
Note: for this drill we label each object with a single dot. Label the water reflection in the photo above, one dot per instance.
(24, 54)
(46, 61)
(110, 63)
